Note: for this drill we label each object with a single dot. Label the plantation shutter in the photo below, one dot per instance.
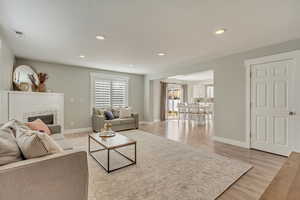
(110, 92)
(102, 93)
(119, 93)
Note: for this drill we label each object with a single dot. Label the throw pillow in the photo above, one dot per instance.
(116, 112)
(36, 144)
(39, 125)
(98, 111)
(9, 150)
(108, 115)
(125, 112)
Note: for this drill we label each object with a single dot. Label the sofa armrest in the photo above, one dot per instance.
(98, 122)
(136, 118)
(54, 129)
(59, 176)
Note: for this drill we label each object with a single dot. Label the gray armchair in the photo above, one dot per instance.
(98, 122)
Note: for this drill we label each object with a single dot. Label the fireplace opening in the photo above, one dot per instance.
(47, 119)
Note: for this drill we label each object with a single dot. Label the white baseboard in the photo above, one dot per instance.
(78, 130)
(232, 142)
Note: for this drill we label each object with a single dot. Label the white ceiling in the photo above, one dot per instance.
(199, 76)
(136, 30)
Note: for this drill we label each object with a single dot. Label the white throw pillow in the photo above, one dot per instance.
(125, 112)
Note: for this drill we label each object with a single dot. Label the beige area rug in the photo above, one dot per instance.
(165, 170)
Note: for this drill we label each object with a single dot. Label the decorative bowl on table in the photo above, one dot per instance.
(107, 134)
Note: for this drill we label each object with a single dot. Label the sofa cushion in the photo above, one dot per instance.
(129, 120)
(113, 122)
(9, 150)
(38, 125)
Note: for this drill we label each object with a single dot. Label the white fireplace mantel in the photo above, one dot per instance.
(20, 105)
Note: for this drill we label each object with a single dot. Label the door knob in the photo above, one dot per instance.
(292, 113)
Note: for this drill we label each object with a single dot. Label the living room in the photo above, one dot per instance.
(149, 100)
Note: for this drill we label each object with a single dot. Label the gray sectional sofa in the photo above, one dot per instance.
(98, 121)
(60, 176)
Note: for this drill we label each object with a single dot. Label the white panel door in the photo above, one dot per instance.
(273, 106)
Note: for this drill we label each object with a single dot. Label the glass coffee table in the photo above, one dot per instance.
(111, 144)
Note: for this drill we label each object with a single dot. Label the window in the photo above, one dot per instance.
(109, 91)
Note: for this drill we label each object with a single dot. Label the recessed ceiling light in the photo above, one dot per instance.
(82, 56)
(220, 31)
(100, 37)
(161, 54)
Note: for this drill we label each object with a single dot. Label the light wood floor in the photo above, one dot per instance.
(248, 187)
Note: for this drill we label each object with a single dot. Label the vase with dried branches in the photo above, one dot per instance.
(42, 79)
(41, 86)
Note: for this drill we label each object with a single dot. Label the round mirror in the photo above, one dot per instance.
(24, 77)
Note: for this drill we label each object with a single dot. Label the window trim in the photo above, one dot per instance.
(94, 76)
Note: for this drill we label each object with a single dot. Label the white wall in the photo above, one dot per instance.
(229, 81)
(6, 65)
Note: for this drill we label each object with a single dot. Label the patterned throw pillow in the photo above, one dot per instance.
(116, 112)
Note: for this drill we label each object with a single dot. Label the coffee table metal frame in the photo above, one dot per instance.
(107, 169)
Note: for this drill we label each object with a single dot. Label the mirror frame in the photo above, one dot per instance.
(16, 86)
